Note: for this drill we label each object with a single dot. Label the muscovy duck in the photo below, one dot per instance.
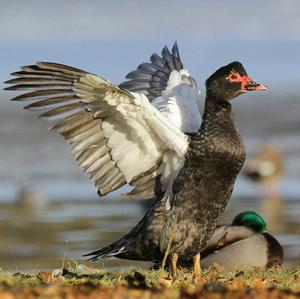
(118, 137)
(202, 188)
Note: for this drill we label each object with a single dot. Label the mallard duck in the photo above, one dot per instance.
(146, 132)
(245, 242)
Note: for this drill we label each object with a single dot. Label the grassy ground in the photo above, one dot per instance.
(216, 282)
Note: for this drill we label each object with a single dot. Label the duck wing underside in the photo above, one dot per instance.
(116, 136)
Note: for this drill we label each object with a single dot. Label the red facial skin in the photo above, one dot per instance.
(246, 82)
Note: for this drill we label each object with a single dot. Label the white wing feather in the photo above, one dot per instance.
(180, 101)
(116, 136)
(169, 87)
(149, 138)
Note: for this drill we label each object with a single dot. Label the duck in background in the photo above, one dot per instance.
(266, 168)
(29, 199)
(245, 242)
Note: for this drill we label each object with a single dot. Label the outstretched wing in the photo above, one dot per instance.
(117, 137)
(169, 87)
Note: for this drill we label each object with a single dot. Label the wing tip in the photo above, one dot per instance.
(175, 49)
(13, 87)
(158, 67)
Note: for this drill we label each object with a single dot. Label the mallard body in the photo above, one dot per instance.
(243, 244)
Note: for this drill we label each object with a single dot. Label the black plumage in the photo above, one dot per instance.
(98, 118)
(202, 188)
(152, 78)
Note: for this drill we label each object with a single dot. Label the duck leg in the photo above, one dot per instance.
(174, 259)
(197, 268)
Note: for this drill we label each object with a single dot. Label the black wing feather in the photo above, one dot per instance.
(151, 78)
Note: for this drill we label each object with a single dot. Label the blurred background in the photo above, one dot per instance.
(44, 197)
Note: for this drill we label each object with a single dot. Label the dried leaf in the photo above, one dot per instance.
(236, 284)
(218, 267)
(222, 241)
(165, 282)
(45, 277)
(257, 283)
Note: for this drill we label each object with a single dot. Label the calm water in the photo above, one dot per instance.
(64, 205)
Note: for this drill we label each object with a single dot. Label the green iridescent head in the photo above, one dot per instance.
(252, 220)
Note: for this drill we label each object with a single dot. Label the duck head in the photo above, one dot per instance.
(230, 81)
(252, 220)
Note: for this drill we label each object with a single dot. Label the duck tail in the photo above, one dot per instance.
(114, 249)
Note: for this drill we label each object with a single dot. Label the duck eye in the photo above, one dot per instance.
(234, 77)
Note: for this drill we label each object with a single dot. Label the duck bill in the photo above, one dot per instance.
(249, 85)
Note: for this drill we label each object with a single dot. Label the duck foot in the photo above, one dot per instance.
(173, 272)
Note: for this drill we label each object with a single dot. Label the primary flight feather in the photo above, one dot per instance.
(132, 133)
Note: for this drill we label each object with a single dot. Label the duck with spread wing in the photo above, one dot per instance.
(147, 132)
